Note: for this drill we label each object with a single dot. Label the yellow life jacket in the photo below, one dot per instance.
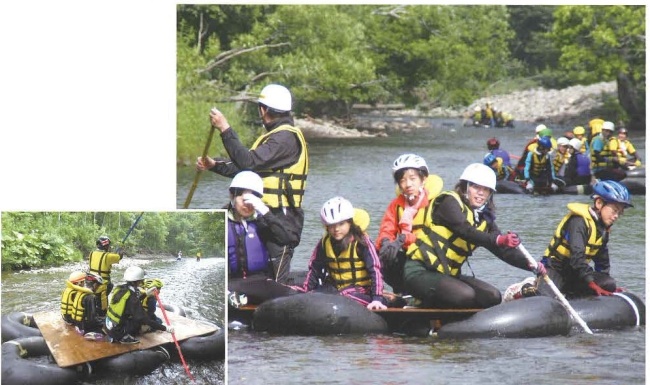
(439, 247)
(72, 301)
(117, 303)
(285, 187)
(143, 295)
(540, 164)
(559, 246)
(348, 268)
(583, 147)
(604, 158)
(100, 263)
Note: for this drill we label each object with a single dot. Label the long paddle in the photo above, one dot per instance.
(198, 172)
(130, 230)
(178, 347)
(557, 292)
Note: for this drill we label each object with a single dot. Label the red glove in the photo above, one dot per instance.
(599, 290)
(510, 240)
(620, 290)
(538, 269)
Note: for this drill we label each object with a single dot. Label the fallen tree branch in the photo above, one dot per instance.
(225, 56)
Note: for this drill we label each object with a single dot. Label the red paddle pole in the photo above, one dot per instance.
(178, 347)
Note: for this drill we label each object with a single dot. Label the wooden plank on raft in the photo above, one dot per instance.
(69, 348)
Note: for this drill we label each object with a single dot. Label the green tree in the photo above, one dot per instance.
(603, 43)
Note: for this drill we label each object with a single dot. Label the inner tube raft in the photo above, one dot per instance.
(136, 362)
(636, 186)
(618, 311)
(210, 347)
(524, 318)
(18, 324)
(316, 314)
(16, 369)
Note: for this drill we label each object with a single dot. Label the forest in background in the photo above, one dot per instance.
(40, 239)
(422, 56)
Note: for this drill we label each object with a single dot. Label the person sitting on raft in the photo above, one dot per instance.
(404, 216)
(345, 258)
(149, 301)
(126, 316)
(80, 305)
(458, 222)
(605, 162)
(626, 150)
(578, 169)
(497, 165)
(582, 237)
(494, 147)
(251, 226)
(538, 170)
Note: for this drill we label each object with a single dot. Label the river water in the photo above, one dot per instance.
(198, 287)
(359, 169)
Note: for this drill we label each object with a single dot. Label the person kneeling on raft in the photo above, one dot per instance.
(80, 305)
(582, 237)
(459, 222)
(126, 315)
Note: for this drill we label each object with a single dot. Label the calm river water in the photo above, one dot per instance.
(359, 169)
(198, 287)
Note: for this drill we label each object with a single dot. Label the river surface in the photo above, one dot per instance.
(360, 170)
(198, 287)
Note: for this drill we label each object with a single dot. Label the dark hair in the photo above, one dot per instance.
(400, 173)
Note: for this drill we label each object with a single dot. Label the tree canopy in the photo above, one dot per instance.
(332, 56)
(37, 239)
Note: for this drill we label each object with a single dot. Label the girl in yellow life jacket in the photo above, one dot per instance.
(79, 306)
(582, 237)
(345, 258)
(459, 222)
(405, 215)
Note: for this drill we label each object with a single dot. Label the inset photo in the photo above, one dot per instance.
(113, 297)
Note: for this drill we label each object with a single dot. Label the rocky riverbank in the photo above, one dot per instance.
(567, 107)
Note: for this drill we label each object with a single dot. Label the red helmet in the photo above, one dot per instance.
(493, 143)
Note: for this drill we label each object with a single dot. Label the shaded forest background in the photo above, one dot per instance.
(39, 239)
(423, 56)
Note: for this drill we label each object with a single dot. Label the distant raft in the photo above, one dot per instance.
(635, 185)
(316, 314)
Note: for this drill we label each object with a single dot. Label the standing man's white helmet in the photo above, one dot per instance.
(480, 174)
(276, 97)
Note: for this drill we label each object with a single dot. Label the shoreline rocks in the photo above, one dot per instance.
(566, 107)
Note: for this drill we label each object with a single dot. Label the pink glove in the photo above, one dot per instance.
(620, 290)
(540, 269)
(599, 290)
(405, 227)
(510, 240)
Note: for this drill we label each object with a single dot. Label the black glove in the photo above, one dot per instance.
(388, 250)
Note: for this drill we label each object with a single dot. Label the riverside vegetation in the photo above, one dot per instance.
(425, 57)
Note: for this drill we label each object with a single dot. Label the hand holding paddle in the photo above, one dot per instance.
(557, 292)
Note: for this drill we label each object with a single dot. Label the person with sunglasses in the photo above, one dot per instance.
(582, 237)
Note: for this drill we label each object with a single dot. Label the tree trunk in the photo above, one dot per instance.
(634, 106)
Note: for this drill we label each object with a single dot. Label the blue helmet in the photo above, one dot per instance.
(489, 159)
(544, 142)
(612, 192)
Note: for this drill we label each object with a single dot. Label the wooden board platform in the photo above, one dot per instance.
(70, 348)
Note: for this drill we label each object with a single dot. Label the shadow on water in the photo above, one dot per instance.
(198, 287)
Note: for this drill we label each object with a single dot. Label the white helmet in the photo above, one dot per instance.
(575, 143)
(276, 96)
(335, 210)
(133, 273)
(608, 126)
(410, 161)
(477, 108)
(248, 180)
(480, 174)
(563, 141)
(540, 128)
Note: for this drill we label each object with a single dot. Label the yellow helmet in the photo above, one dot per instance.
(153, 282)
(579, 130)
(77, 277)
